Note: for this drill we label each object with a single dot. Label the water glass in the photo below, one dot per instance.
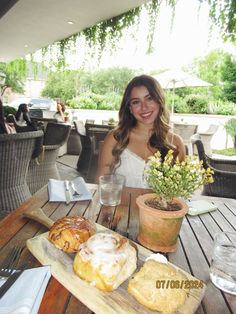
(223, 263)
(110, 188)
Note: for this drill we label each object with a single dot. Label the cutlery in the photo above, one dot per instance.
(68, 192)
(7, 266)
(10, 281)
(75, 193)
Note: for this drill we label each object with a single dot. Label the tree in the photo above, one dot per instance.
(14, 78)
(209, 69)
(61, 85)
(229, 78)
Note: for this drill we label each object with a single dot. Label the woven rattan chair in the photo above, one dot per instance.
(15, 155)
(41, 170)
(224, 174)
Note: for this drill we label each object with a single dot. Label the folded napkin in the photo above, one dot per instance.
(26, 294)
(200, 207)
(56, 190)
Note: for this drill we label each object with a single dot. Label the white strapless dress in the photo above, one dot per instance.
(132, 167)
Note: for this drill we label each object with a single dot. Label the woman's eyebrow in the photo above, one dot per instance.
(139, 97)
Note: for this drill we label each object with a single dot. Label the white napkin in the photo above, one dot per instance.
(26, 294)
(56, 190)
(200, 207)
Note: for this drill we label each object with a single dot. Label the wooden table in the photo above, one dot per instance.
(193, 253)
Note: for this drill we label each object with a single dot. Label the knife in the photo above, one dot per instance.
(10, 281)
(67, 192)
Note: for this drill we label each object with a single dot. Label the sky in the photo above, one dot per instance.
(174, 47)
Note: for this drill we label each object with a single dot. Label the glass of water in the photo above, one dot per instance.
(223, 263)
(110, 188)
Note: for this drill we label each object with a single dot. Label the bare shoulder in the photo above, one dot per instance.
(109, 139)
(177, 140)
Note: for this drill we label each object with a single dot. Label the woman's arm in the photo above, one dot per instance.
(178, 142)
(105, 157)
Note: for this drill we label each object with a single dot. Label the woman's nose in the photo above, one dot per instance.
(144, 104)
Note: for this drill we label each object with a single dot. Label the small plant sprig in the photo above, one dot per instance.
(173, 178)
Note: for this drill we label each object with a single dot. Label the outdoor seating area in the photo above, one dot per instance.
(117, 157)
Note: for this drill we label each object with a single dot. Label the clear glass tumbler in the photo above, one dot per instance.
(223, 263)
(110, 188)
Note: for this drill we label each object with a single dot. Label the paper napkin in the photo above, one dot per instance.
(200, 207)
(26, 294)
(56, 190)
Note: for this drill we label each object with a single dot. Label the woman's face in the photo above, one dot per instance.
(143, 107)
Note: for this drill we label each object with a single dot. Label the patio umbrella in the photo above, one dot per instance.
(172, 79)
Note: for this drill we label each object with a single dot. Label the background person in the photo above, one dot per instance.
(142, 130)
(5, 128)
(22, 115)
(59, 115)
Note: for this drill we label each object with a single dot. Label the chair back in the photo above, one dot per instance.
(15, 155)
(224, 174)
(56, 133)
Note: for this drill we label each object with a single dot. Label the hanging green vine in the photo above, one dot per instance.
(107, 33)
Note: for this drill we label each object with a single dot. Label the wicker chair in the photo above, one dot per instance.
(186, 131)
(224, 174)
(45, 168)
(15, 155)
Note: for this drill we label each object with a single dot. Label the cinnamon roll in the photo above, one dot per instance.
(68, 233)
(105, 260)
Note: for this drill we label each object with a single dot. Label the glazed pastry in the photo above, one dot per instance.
(143, 286)
(105, 260)
(68, 233)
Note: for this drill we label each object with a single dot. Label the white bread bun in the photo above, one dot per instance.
(68, 233)
(143, 286)
(105, 260)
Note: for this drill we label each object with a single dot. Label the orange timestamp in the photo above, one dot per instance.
(179, 284)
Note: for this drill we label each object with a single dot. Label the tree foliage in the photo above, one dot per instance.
(15, 75)
(69, 84)
(229, 78)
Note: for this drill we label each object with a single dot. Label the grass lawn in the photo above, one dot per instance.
(226, 151)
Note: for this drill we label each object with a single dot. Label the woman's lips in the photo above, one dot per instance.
(146, 115)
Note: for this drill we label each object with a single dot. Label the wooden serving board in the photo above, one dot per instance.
(118, 301)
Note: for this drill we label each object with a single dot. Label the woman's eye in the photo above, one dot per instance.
(149, 98)
(134, 102)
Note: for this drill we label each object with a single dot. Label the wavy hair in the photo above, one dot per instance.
(127, 121)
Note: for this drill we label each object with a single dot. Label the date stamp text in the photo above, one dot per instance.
(179, 284)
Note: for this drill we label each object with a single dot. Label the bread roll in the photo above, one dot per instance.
(105, 260)
(143, 286)
(69, 232)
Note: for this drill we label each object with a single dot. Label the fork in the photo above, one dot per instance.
(75, 193)
(9, 263)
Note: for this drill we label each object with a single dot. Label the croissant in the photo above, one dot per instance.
(105, 260)
(143, 286)
(68, 233)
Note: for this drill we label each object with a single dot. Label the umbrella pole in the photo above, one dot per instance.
(173, 102)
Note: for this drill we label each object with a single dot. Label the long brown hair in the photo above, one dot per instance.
(127, 121)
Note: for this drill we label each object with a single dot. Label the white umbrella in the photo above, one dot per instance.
(172, 79)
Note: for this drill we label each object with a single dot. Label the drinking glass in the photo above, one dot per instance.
(223, 263)
(110, 188)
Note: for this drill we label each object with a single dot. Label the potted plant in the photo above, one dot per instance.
(161, 213)
(111, 121)
(66, 116)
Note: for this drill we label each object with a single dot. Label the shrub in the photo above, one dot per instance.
(230, 128)
(9, 110)
(197, 103)
(224, 108)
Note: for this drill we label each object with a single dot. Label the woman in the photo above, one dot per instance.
(59, 115)
(22, 115)
(142, 130)
(5, 128)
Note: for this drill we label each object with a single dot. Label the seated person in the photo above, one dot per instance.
(143, 129)
(59, 115)
(5, 128)
(22, 115)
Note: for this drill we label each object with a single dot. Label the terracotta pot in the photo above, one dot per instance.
(159, 229)
(66, 118)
